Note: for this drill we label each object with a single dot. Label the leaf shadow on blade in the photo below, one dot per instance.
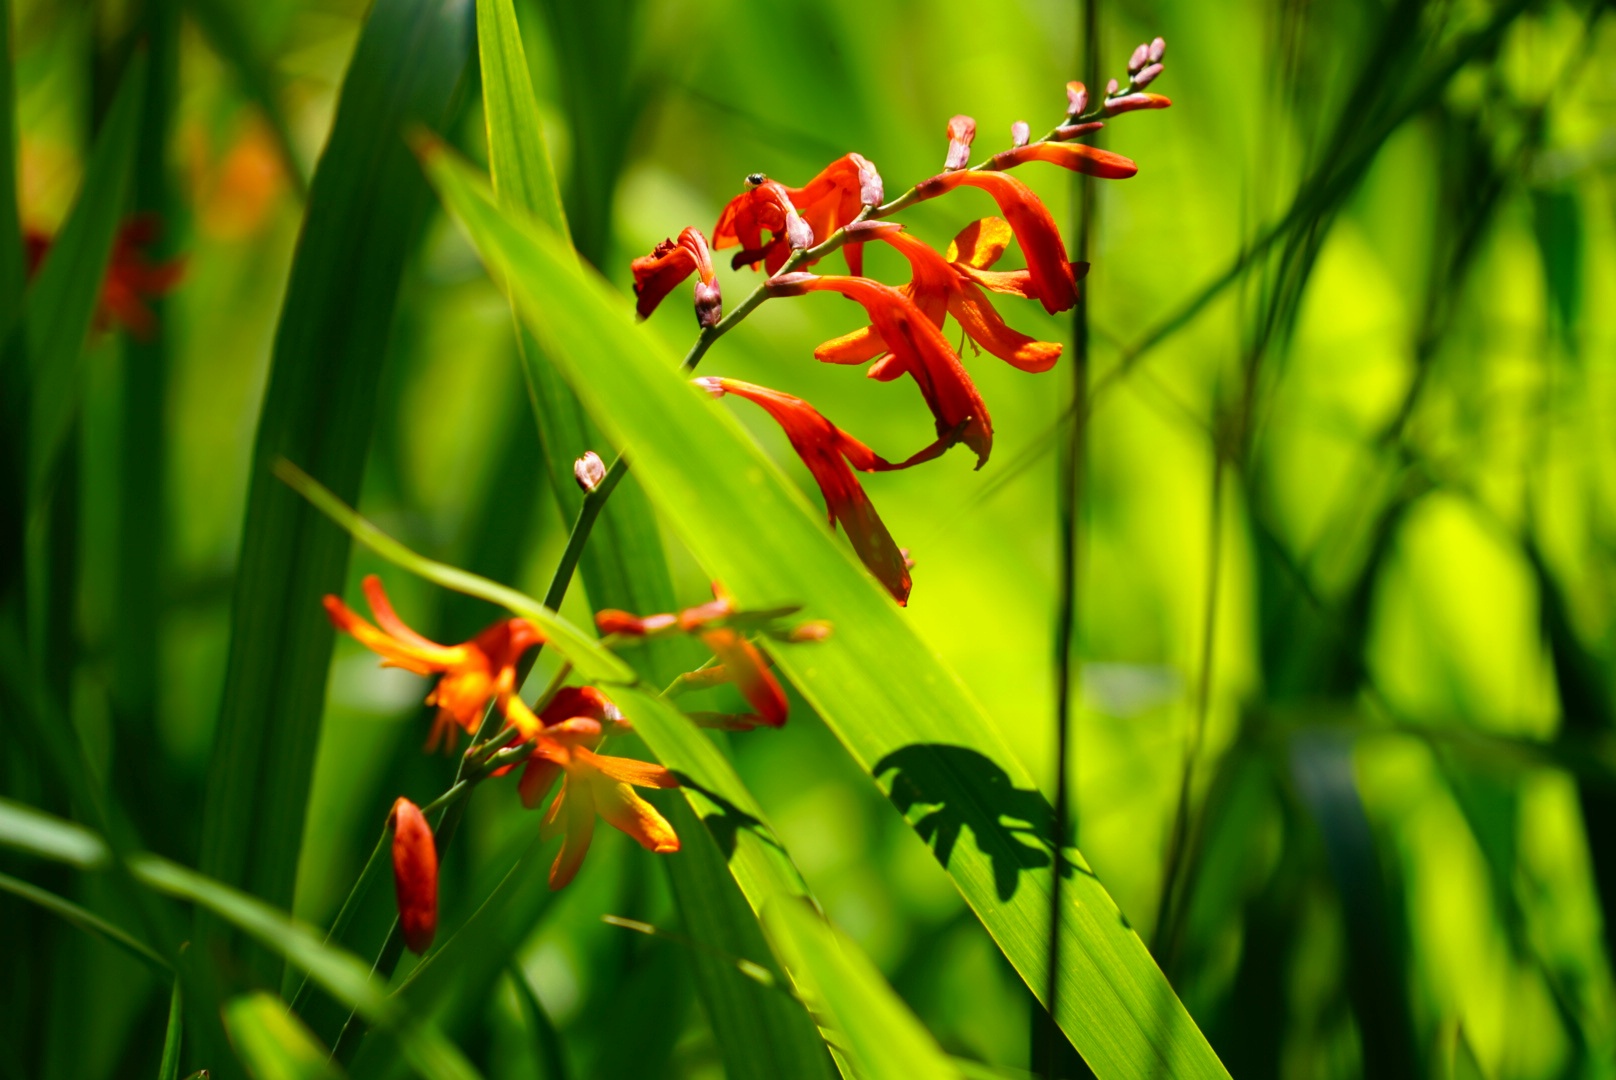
(933, 774)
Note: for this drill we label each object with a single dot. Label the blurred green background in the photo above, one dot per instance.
(1346, 504)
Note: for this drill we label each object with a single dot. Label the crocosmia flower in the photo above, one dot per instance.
(573, 725)
(952, 284)
(132, 277)
(919, 348)
(1079, 157)
(742, 662)
(656, 274)
(831, 455)
(474, 672)
(764, 206)
(1040, 239)
(415, 875)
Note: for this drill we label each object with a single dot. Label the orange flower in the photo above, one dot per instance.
(131, 279)
(594, 783)
(919, 348)
(831, 454)
(415, 875)
(764, 204)
(473, 672)
(942, 285)
(1051, 275)
(656, 274)
(1079, 157)
(835, 197)
(743, 664)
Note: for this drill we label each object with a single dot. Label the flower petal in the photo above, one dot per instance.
(627, 812)
(1079, 157)
(628, 770)
(984, 326)
(855, 348)
(538, 777)
(981, 243)
(577, 803)
(1035, 230)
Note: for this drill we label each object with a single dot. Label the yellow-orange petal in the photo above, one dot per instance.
(388, 619)
(415, 875)
(628, 770)
(853, 348)
(981, 243)
(627, 812)
(984, 326)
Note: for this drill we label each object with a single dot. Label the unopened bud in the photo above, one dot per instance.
(415, 876)
(961, 131)
(1020, 133)
(1158, 49)
(1131, 102)
(1140, 57)
(817, 630)
(1077, 98)
(1111, 88)
(871, 192)
(1073, 131)
(1147, 76)
(589, 470)
(714, 386)
(709, 304)
(799, 234)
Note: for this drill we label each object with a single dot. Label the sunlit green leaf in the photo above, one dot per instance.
(272, 1043)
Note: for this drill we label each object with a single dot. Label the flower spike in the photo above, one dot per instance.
(656, 274)
(831, 455)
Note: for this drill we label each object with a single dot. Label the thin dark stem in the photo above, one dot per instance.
(1069, 501)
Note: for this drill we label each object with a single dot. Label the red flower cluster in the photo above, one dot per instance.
(132, 277)
(777, 227)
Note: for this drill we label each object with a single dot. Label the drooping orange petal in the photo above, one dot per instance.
(627, 812)
(957, 408)
(984, 326)
(415, 875)
(858, 347)
(1079, 157)
(981, 243)
(752, 676)
(576, 809)
(628, 770)
(1034, 228)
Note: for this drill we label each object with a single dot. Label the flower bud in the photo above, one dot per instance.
(1140, 57)
(1020, 133)
(1147, 76)
(709, 304)
(415, 875)
(1072, 131)
(1111, 88)
(714, 386)
(1158, 49)
(871, 191)
(961, 130)
(589, 470)
(799, 234)
(1131, 102)
(1077, 98)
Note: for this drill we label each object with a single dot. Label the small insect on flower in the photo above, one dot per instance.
(765, 206)
(415, 875)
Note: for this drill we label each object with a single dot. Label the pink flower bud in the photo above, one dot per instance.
(589, 470)
(961, 131)
(1130, 102)
(1140, 57)
(799, 234)
(1111, 88)
(709, 304)
(713, 386)
(1020, 133)
(1073, 131)
(1077, 98)
(1158, 49)
(870, 187)
(1147, 76)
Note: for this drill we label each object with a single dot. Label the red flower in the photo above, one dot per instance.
(743, 664)
(415, 875)
(942, 285)
(1079, 157)
(1040, 239)
(473, 672)
(764, 205)
(835, 197)
(131, 279)
(574, 723)
(831, 455)
(919, 348)
(656, 274)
